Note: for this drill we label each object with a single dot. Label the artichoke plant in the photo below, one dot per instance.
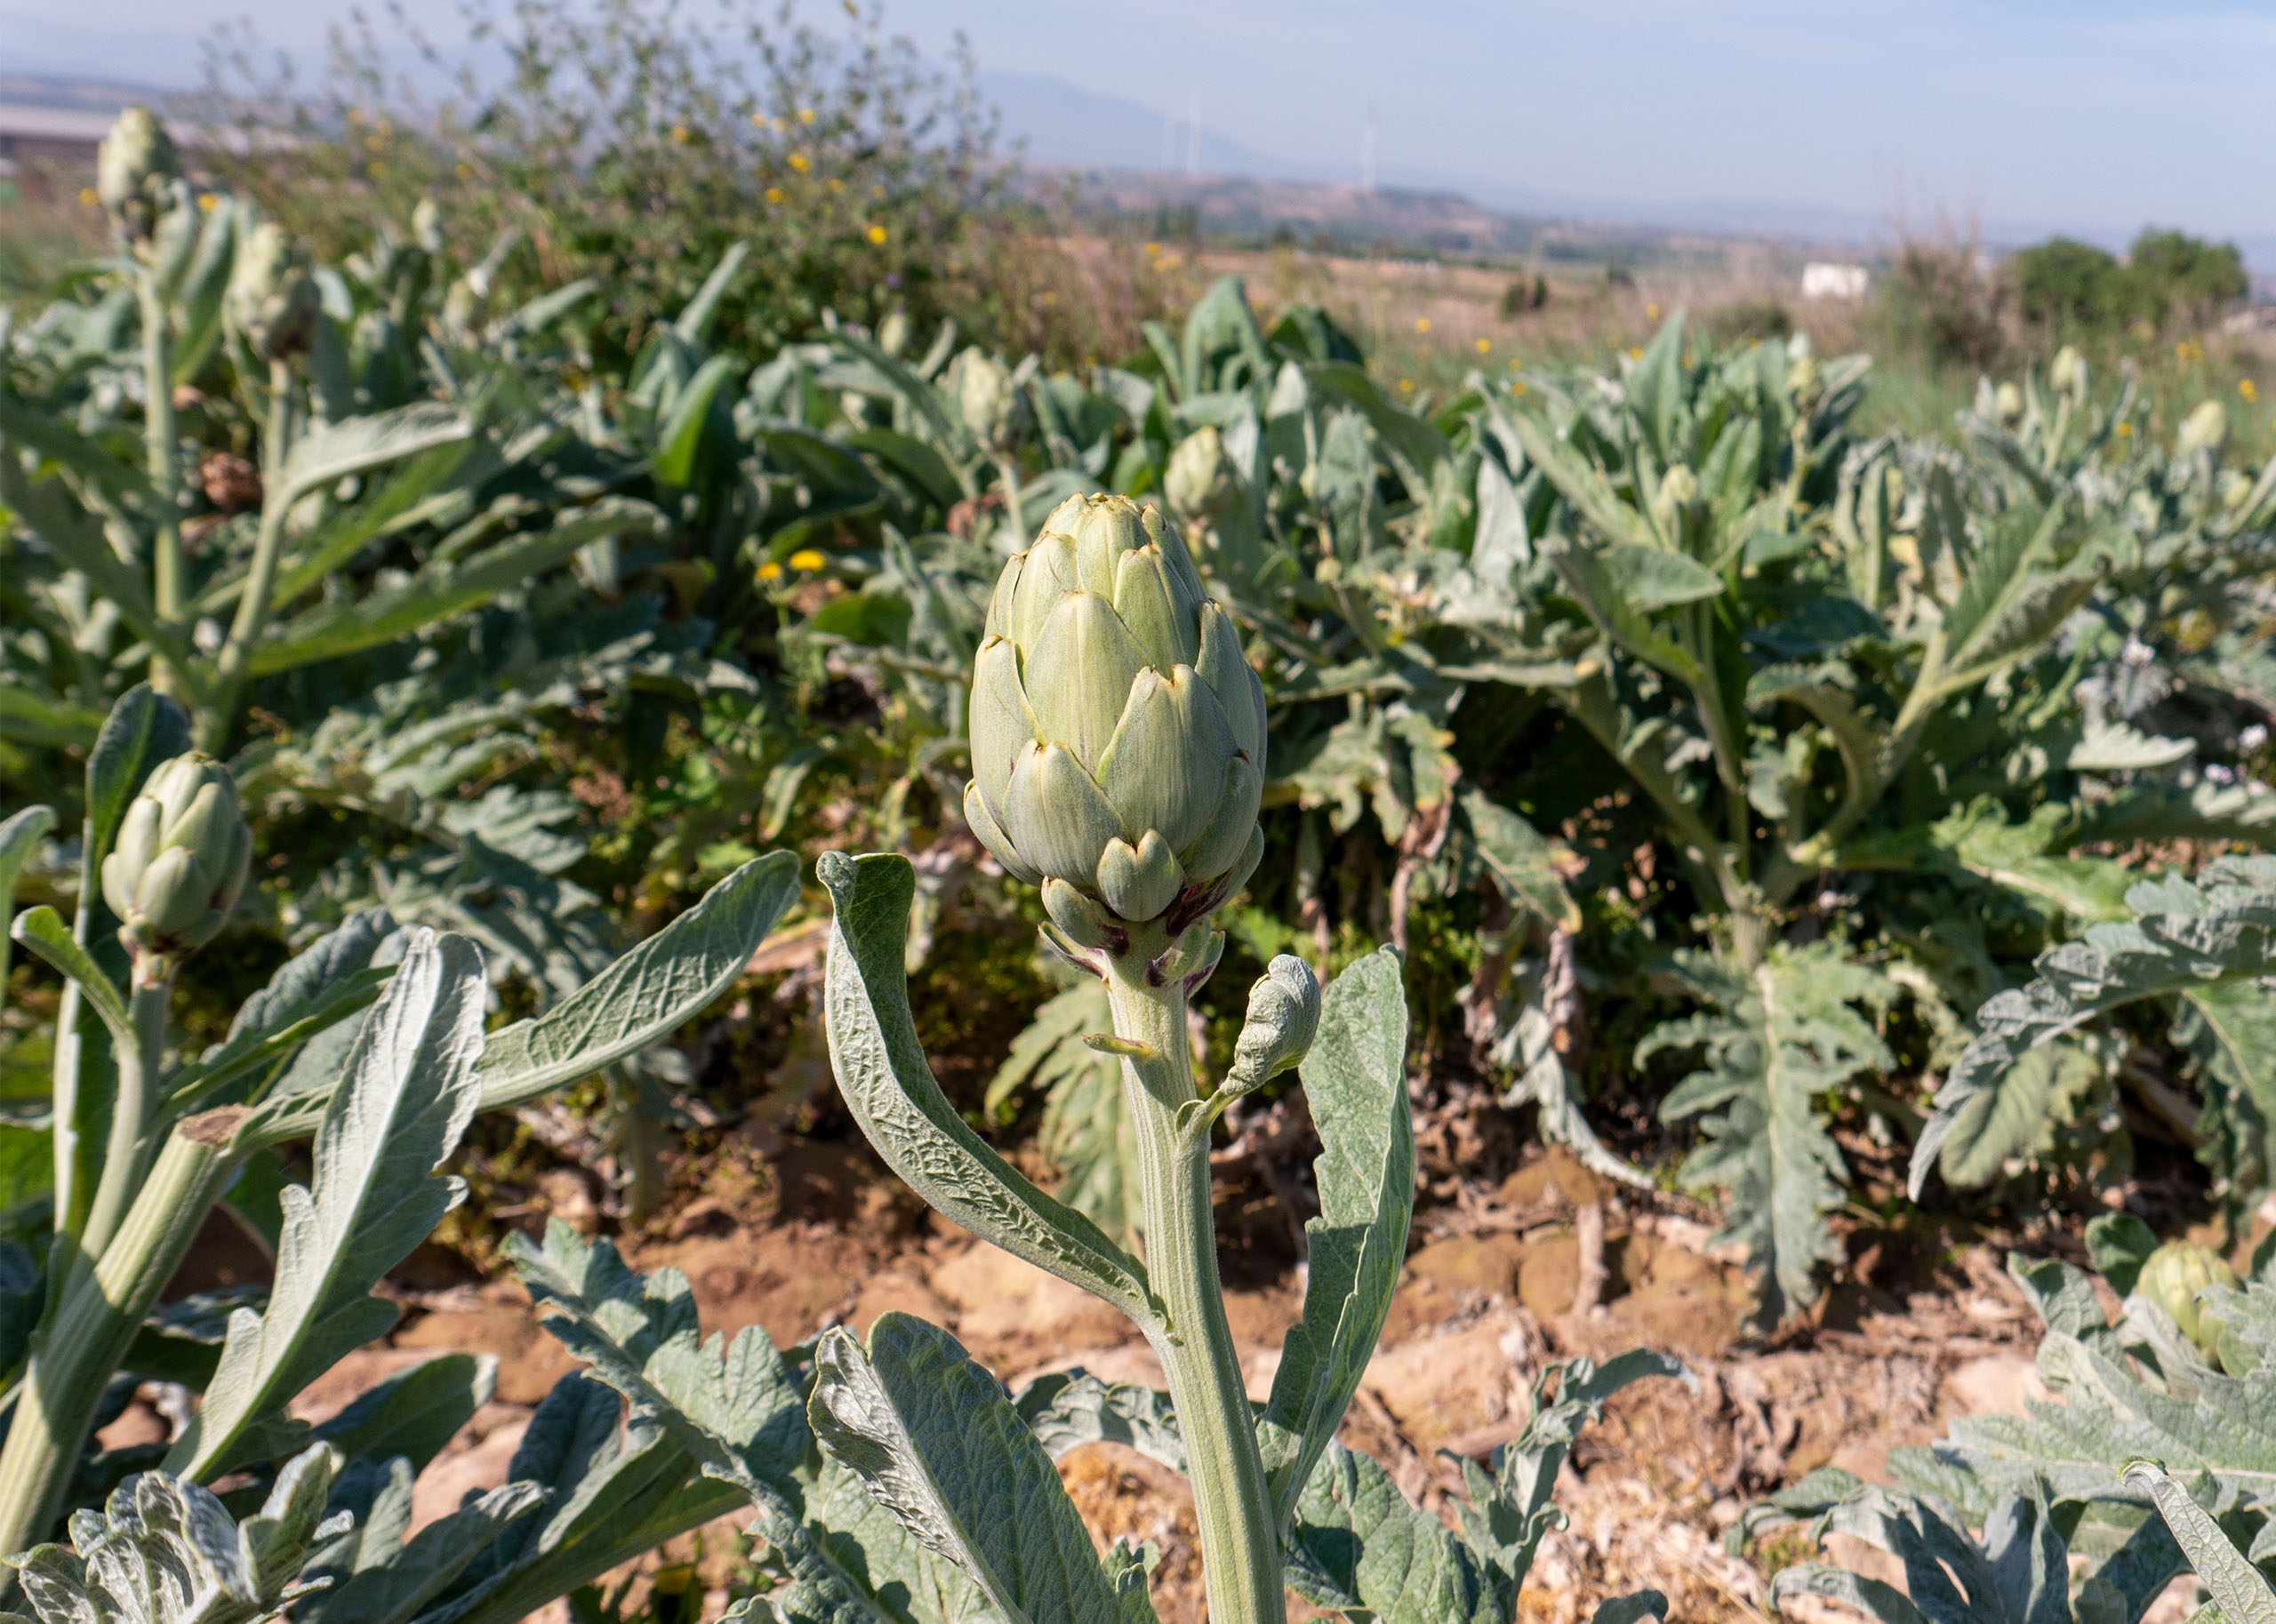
(2172, 1275)
(272, 300)
(1117, 735)
(181, 858)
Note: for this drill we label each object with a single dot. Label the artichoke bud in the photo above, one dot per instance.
(994, 408)
(135, 168)
(1117, 735)
(427, 226)
(1282, 1019)
(1199, 484)
(2007, 404)
(180, 857)
(893, 332)
(272, 300)
(2236, 486)
(2068, 372)
(2173, 1274)
(1679, 489)
(2205, 428)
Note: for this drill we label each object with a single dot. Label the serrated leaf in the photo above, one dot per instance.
(1067, 1409)
(935, 1442)
(2016, 1114)
(885, 1080)
(1779, 1037)
(1355, 1078)
(2184, 938)
(1357, 1546)
(410, 1090)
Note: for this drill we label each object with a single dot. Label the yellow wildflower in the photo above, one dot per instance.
(1407, 385)
(1634, 354)
(2249, 389)
(800, 162)
(807, 558)
(770, 570)
(1651, 313)
(679, 134)
(1421, 323)
(774, 193)
(87, 198)
(877, 235)
(805, 115)
(1484, 346)
(207, 202)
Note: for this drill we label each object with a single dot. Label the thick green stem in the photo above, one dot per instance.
(1240, 1547)
(159, 437)
(220, 706)
(137, 1095)
(81, 1349)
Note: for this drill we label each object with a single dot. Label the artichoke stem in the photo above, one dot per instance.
(88, 1334)
(159, 436)
(220, 708)
(130, 1117)
(1240, 1546)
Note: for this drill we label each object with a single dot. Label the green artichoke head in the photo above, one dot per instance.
(1117, 735)
(2173, 1274)
(180, 857)
(993, 406)
(1199, 482)
(272, 300)
(2068, 372)
(2205, 428)
(135, 167)
(2007, 404)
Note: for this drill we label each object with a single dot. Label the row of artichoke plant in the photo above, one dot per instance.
(1884, 712)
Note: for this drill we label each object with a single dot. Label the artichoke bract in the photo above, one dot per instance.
(135, 166)
(1117, 735)
(180, 857)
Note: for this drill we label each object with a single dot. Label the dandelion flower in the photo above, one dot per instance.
(1651, 313)
(805, 115)
(807, 558)
(1421, 323)
(770, 570)
(1484, 346)
(2249, 389)
(1634, 355)
(800, 162)
(877, 235)
(774, 193)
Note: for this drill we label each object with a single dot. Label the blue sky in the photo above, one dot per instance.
(2091, 116)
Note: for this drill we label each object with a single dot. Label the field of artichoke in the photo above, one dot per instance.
(1599, 936)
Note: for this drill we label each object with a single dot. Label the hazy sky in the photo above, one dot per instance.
(2094, 113)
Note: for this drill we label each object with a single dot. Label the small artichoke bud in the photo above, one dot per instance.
(2171, 1277)
(893, 332)
(427, 226)
(135, 167)
(272, 300)
(2068, 373)
(180, 857)
(1199, 482)
(1117, 735)
(994, 409)
(2236, 486)
(2007, 404)
(2205, 428)
(1679, 489)
(1282, 1019)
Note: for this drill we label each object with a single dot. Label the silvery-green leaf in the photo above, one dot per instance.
(1357, 1546)
(1882, 1602)
(934, 1439)
(2241, 1590)
(883, 1076)
(19, 837)
(410, 1090)
(336, 977)
(1629, 1608)
(732, 1406)
(2184, 938)
(1355, 1078)
(1067, 1409)
(164, 1550)
(358, 445)
(414, 1413)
